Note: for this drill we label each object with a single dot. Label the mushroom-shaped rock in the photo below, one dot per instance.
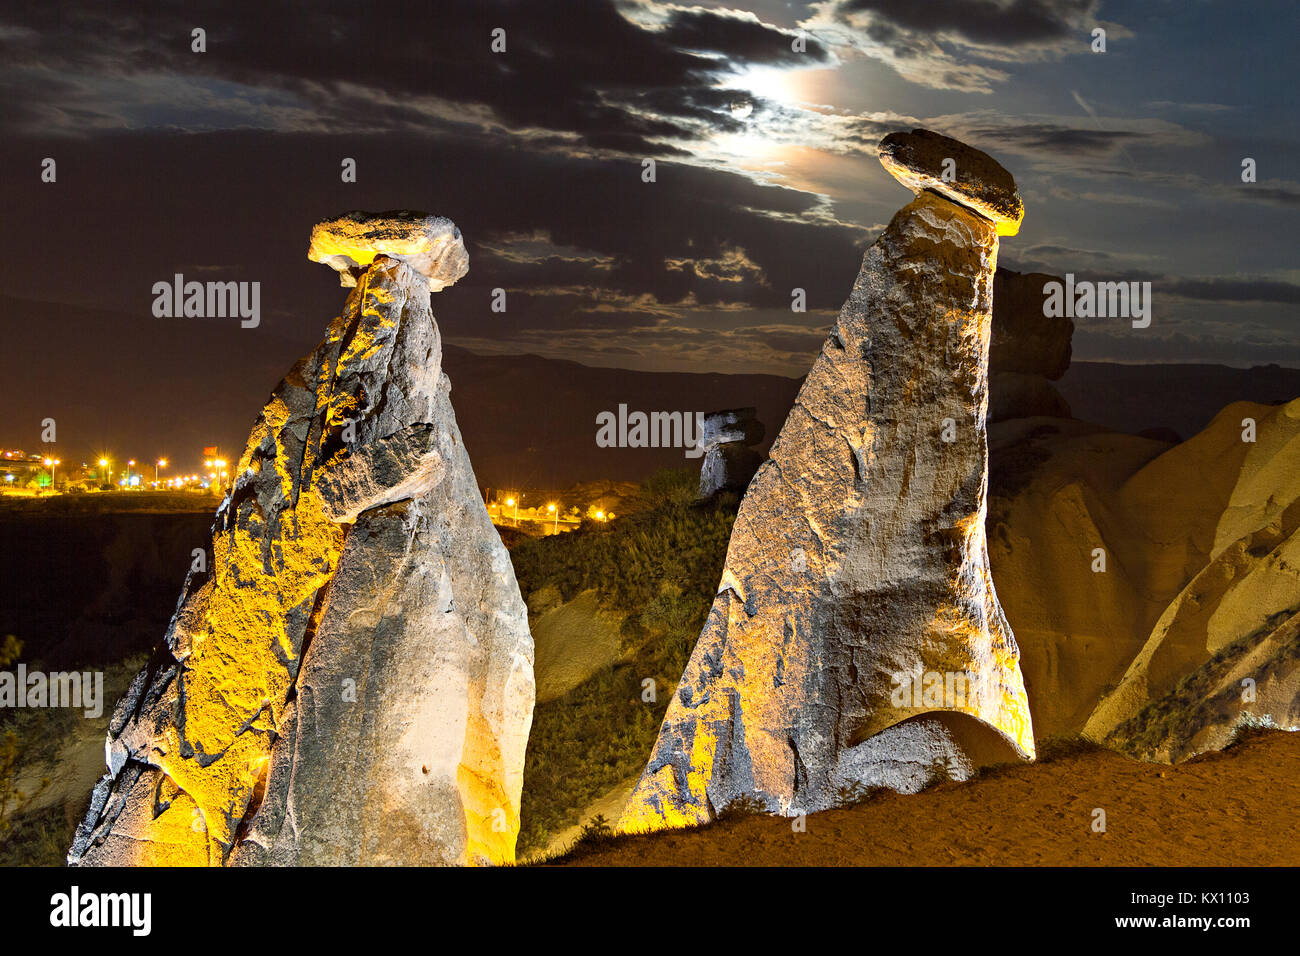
(856, 639)
(350, 681)
(923, 159)
(430, 245)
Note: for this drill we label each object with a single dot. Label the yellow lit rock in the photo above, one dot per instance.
(351, 680)
(856, 639)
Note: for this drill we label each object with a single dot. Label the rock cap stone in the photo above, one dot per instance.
(431, 245)
(916, 160)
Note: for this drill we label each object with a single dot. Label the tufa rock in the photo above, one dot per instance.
(1017, 395)
(858, 569)
(1025, 340)
(977, 181)
(351, 682)
(431, 245)
(1192, 632)
(729, 461)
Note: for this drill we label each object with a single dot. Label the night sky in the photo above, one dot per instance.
(216, 164)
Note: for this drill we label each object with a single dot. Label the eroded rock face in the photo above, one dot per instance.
(351, 681)
(1154, 588)
(729, 460)
(1025, 340)
(858, 567)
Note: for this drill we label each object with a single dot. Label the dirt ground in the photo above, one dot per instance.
(1235, 808)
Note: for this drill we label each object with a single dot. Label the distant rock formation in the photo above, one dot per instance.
(857, 571)
(1155, 589)
(1029, 350)
(350, 681)
(730, 459)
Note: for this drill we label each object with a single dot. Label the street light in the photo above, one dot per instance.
(555, 525)
(160, 463)
(600, 516)
(52, 463)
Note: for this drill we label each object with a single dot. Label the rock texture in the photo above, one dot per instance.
(1025, 340)
(431, 245)
(730, 459)
(1019, 395)
(1199, 593)
(858, 559)
(351, 680)
(920, 161)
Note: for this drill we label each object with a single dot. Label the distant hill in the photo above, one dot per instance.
(527, 421)
(531, 422)
(1131, 398)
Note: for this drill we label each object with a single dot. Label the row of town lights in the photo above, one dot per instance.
(551, 508)
(218, 466)
(218, 470)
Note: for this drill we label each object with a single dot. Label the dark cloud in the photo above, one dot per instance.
(1235, 290)
(741, 38)
(614, 252)
(590, 73)
(1055, 138)
(994, 22)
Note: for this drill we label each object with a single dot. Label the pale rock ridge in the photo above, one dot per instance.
(1237, 619)
(351, 681)
(858, 559)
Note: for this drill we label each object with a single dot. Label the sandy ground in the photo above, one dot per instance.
(573, 642)
(1236, 808)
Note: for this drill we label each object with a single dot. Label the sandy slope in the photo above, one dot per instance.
(1201, 560)
(573, 641)
(1222, 809)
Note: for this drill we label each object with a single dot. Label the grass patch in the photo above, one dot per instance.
(1060, 747)
(660, 565)
(1170, 722)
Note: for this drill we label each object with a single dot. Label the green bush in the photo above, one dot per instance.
(660, 566)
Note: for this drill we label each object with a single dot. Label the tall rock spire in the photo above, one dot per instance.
(350, 681)
(856, 639)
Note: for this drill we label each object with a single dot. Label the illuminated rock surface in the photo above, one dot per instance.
(1193, 627)
(431, 245)
(858, 556)
(924, 160)
(352, 681)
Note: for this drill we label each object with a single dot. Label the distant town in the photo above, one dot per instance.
(532, 512)
(27, 474)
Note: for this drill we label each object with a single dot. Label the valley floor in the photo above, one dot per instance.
(1234, 808)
